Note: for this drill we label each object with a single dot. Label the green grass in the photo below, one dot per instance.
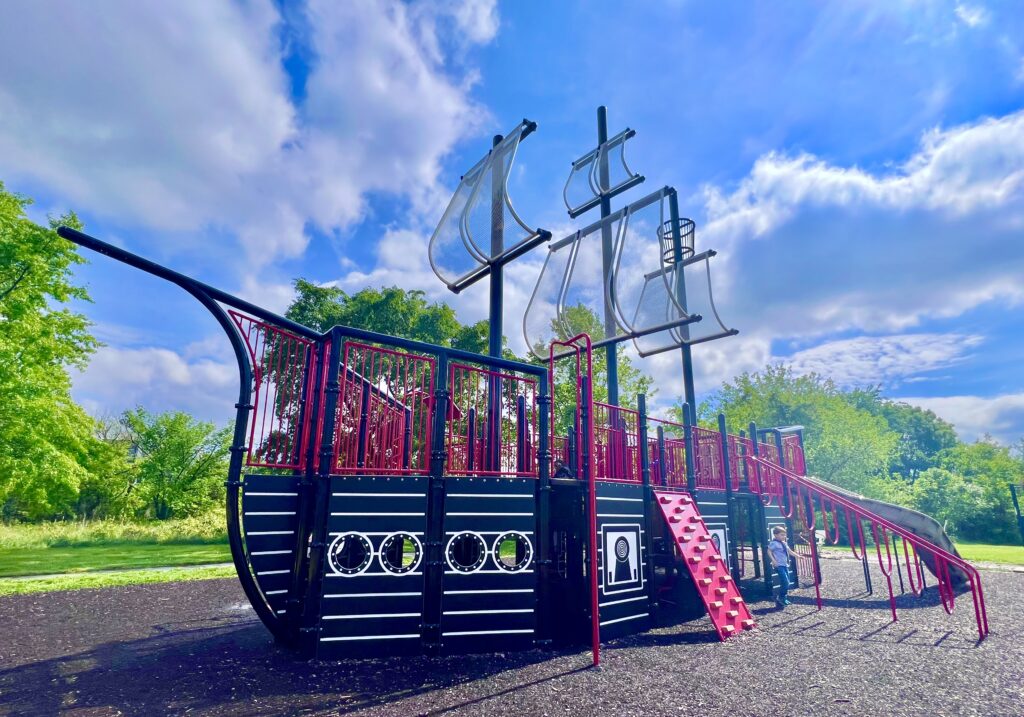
(76, 551)
(80, 581)
(986, 553)
(78, 559)
(202, 530)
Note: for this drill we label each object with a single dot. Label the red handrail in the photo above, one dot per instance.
(943, 559)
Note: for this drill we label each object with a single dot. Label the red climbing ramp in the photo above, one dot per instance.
(715, 585)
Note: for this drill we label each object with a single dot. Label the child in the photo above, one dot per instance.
(780, 553)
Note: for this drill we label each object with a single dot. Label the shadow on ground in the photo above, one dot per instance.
(238, 663)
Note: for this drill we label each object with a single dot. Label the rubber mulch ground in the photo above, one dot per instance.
(196, 648)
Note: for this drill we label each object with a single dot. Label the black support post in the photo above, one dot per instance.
(648, 494)
(691, 446)
(1016, 507)
(306, 490)
(546, 572)
(730, 501)
(434, 572)
(497, 282)
(762, 519)
(662, 457)
(677, 252)
(310, 621)
(607, 254)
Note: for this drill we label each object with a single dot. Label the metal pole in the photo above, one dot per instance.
(730, 501)
(544, 534)
(1016, 507)
(677, 256)
(434, 547)
(899, 570)
(607, 250)
(691, 452)
(766, 562)
(310, 619)
(492, 446)
(497, 247)
(648, 493)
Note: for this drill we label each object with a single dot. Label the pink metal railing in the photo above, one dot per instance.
(283, 373)
(793, 452)
(673, 473)
(384, 411)
(708, 459)
(737, 450)
(802, 496)
(492, 430)
(616, 443)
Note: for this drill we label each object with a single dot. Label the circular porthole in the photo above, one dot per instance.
(350, 554)
(466, 552)
(512, 552)
(400, 553)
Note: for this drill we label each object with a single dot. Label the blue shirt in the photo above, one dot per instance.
(779, 553)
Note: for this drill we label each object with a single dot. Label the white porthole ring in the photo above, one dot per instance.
(385, 544)
(362, 567)
(482, 545)
(519, 538)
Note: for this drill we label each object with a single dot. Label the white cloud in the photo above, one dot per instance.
(972, 15)
(955, 172)
(810, 249)
(178, 117)
(885, 360)
(1001, 417)
(117, 379)
(478, 19)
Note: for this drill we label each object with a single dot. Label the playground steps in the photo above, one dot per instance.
(717, 589)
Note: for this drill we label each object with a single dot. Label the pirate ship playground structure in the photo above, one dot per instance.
(387, 496)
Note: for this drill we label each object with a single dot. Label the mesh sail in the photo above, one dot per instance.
(480, 210)
(609, 280)
(700, 299)
(600, 171)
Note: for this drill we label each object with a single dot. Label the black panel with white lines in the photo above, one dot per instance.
(372, 602)
(623, 601)
(714, 510)
(490, 551)
(269, 518)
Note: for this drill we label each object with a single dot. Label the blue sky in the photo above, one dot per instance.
(858, 165)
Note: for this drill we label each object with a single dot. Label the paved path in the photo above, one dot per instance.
(196, 648)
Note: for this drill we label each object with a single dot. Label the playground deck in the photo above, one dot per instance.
(198, 648)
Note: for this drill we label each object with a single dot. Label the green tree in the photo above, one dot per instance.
(844, 444)
(391, 311)
(989, 469)
(182, 462)
(46, 440)
(922, 436)
(960, 505)
(109, 488)
(632, 381)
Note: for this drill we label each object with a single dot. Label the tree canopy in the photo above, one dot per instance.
(844, 445)
(882, 448)
(46, 439)
(391, 310)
